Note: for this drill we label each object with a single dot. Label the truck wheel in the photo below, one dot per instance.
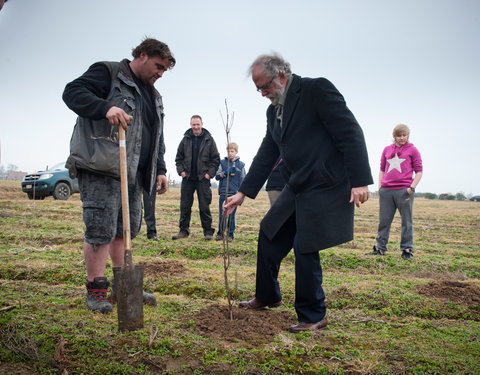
(62, 191)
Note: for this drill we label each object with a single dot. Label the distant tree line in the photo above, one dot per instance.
(444, 196)
(10, 173)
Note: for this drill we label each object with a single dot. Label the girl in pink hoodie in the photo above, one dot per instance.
(400, 172)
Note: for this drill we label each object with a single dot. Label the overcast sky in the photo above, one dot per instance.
(412, 61)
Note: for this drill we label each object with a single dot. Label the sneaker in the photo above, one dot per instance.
(230, 238)
(218, 237)
(407, 254)
(181, 234)
(377, 251)
(208, 237)
(152, 236)
(97, 296)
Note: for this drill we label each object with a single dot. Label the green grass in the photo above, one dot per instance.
(380, 322)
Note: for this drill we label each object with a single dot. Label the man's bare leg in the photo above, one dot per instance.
(117, 252)
(95, 259)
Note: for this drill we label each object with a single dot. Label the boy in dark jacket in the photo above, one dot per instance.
(230, 174)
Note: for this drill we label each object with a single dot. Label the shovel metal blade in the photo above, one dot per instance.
(129, 295)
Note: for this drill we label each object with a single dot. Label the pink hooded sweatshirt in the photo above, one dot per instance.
(399, 163)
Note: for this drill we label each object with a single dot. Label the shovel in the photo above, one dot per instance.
(128, 279)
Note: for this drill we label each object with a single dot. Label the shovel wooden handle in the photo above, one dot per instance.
(127, 241)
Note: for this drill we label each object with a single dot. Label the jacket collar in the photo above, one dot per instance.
(126, 75)
(293, 94)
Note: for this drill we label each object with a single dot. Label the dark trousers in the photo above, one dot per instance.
(230, 221)
(149, 210)
(204, 195)
(309, 295)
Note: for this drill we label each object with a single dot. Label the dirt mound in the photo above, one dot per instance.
(248, 326)
(163, 268)
(454, 291)
(440, 275)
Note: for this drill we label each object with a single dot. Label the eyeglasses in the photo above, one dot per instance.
(265, 86)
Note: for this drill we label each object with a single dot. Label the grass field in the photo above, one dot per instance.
(387, 315)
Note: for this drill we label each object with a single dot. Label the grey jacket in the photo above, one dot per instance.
(208, 155)
(94, 143)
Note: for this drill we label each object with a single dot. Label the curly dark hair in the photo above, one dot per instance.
(153, 47)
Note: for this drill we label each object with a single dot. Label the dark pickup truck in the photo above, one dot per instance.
(54, 181)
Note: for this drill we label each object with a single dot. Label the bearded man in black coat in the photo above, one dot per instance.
(323, 148)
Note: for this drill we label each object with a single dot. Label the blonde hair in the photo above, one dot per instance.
(232, 145)
(399, 129)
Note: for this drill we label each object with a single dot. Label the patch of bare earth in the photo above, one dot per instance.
(163, 268)
(16, 369)
(454, 291)
(247, 325)
(440, 276)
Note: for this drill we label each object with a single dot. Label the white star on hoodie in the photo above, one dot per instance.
(395, 163)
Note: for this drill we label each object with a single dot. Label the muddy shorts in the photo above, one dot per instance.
(102, 213)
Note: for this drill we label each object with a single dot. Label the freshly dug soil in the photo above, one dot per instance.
(454, 291)
(247, 325)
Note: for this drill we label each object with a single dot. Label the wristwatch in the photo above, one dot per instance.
(412, 188)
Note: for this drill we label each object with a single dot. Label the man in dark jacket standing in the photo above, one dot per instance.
(197, 161)
(323, 148)
(106, 96)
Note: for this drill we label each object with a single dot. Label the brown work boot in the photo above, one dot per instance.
(97, 296)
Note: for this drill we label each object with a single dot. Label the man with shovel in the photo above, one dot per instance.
(323, 149)
(106, 96)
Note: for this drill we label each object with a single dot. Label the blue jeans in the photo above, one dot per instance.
(230, 219)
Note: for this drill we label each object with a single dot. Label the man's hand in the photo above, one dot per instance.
(117, 116)
(233, 202)
(162, 184)
(207, 176)
(359, 195)
(183, 174)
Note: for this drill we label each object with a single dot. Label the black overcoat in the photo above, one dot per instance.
(323, 147)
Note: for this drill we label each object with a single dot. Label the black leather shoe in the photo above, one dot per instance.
(256, 304)
(181, 234)
(302, 326)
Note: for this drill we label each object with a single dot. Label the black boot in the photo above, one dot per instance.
(97, 295)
